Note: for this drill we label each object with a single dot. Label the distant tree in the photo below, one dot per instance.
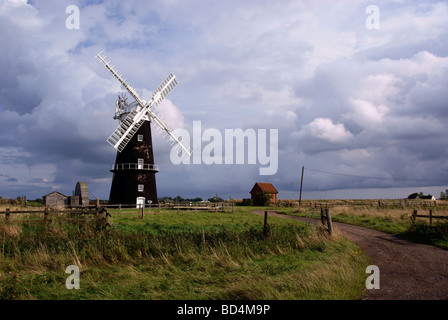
(216, 199)
(179, 199)
(443, 195)
(262, 199)
(193, 199)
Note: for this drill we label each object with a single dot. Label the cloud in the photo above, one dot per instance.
(366, 114)
(326, 130)
(344, 98)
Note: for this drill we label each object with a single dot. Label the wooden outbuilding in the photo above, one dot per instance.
(264, 187)
(55, 199)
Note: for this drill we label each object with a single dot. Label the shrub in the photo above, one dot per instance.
(246, 202)
(262, 199)
(287, 203)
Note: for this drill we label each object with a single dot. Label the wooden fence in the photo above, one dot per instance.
(397, 203)
(195, 206)
(100, 214)
(325, 219)
(430, 216)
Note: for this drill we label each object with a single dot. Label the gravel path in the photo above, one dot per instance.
(408, 270)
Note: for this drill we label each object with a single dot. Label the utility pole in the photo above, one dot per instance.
(301, 185)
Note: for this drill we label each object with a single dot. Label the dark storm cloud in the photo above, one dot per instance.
(344, 99)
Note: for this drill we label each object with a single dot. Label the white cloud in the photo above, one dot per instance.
(366, 114)
(325, 129)
(334, 89)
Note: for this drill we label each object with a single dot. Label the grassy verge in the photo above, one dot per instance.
(183, 255)
(395, 221)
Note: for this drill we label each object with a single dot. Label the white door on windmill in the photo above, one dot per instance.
(140, 202)
(140, 164)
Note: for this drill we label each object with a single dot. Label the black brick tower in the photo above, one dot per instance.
(134, 172)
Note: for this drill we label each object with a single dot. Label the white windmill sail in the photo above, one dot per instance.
(129, 126)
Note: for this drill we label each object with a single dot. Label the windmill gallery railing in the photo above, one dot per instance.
(135, 166)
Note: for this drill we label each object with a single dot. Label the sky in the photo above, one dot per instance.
(358, 96)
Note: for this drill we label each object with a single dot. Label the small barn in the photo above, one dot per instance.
(55, 199)
(266, 187)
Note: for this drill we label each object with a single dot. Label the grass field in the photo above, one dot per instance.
(185, 255)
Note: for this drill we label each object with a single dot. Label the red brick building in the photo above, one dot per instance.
(264, 186)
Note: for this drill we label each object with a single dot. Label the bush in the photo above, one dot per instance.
(262, 199)
(246, 202)
(287, 203)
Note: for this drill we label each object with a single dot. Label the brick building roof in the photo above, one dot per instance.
(265, 186)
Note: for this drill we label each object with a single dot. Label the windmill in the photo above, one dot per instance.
(134, 170)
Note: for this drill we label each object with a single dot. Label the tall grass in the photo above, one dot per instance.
(393, 220)
(179, 256)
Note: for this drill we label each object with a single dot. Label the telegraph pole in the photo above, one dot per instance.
(301, 185)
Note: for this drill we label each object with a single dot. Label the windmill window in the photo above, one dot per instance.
(140, 137)
(141, 187)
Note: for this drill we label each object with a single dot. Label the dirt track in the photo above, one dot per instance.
(408, 271)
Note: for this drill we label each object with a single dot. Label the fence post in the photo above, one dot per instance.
(7, 214)
(322, 216)
(430, 217)
(265, 222)
(46, 214)
(142, 209)
(233, 207)
(119, 208)
(414, 216)
(330, 226)
(108, 222)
